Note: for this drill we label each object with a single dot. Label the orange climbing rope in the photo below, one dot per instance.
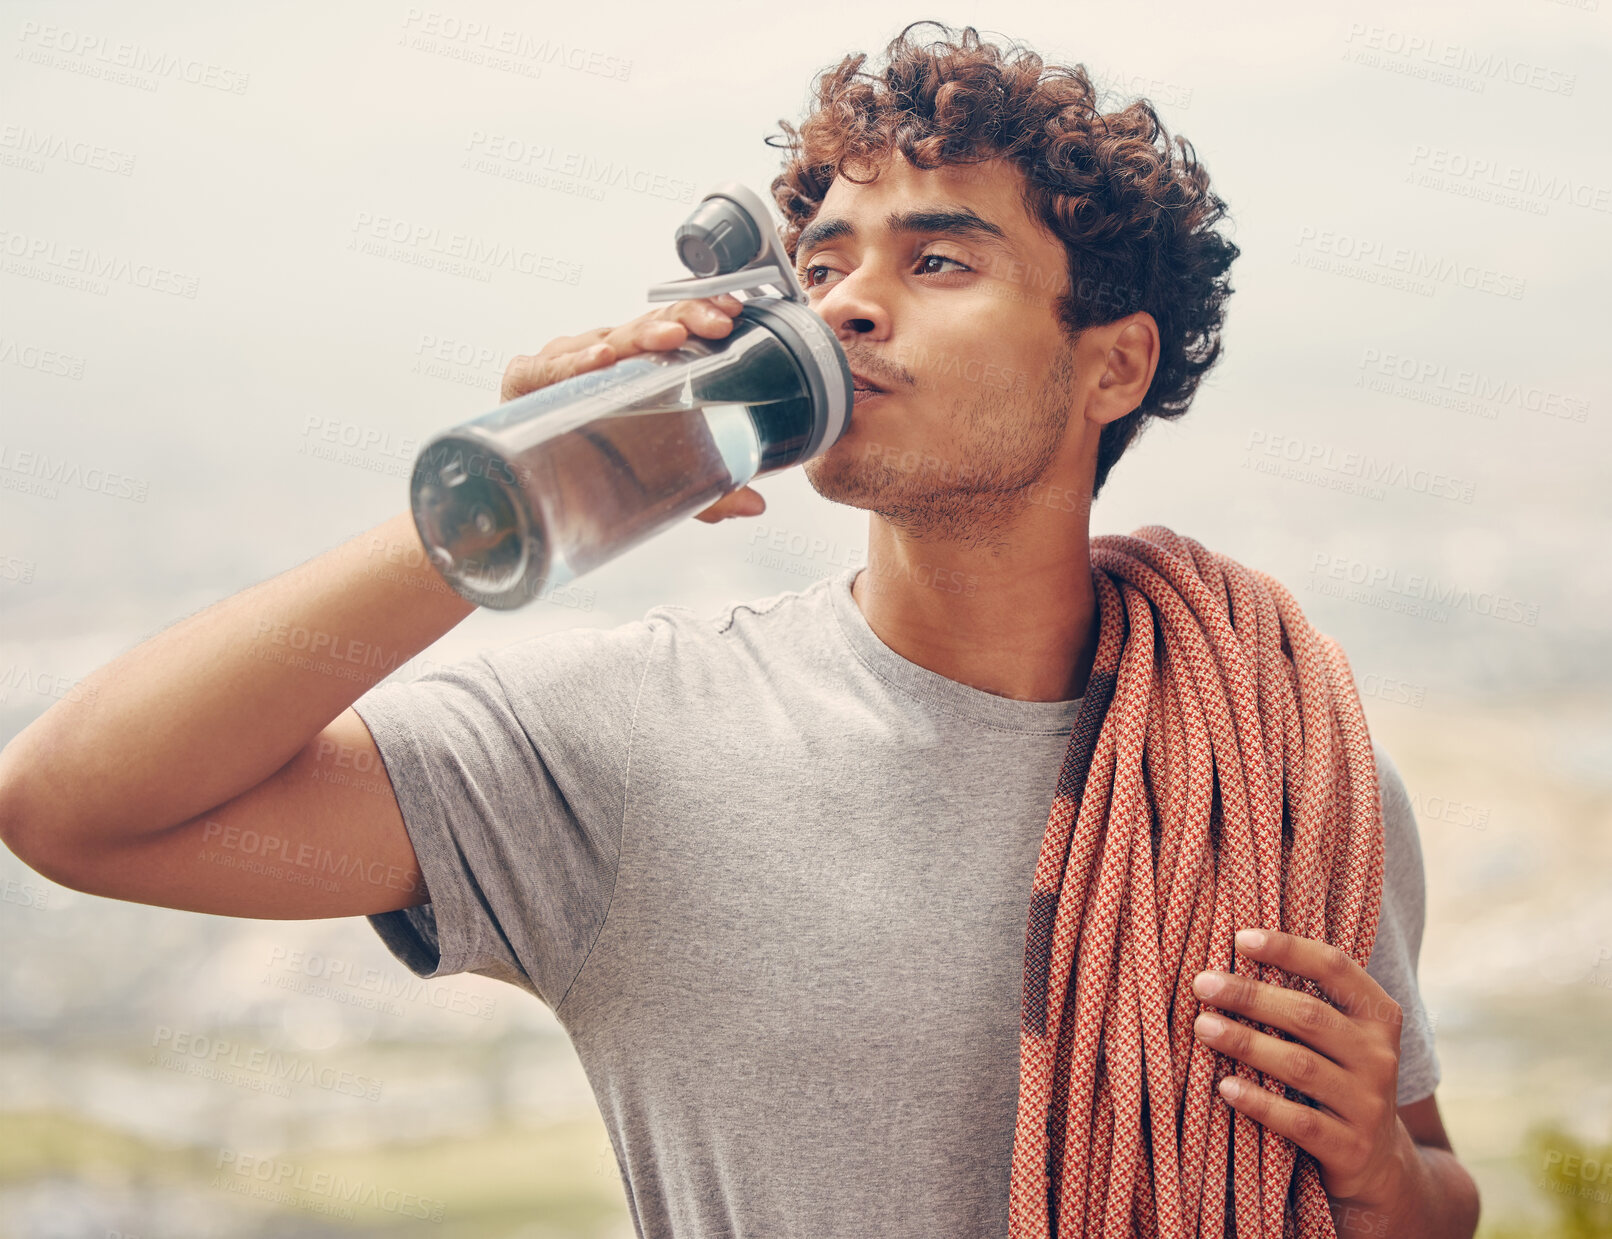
(1219, 776)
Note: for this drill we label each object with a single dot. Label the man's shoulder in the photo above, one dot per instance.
(680, 632)
(1401, 837)
(1404, 876)
(1390, 784)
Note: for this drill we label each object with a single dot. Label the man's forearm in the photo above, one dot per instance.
(217, 702)
(1435, 1198)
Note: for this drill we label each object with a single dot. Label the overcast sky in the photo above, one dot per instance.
(234, 155)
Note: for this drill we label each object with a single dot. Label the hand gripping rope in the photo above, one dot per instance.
(1218, 778)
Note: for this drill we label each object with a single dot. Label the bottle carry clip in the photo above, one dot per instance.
(731, 244)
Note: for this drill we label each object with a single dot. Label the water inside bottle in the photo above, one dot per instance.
(548, 486)
(570, 502)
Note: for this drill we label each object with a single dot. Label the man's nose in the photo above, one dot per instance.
(851, 310)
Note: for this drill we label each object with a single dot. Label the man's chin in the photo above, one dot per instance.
(843, 479)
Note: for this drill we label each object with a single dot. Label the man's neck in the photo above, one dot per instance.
(1019, 622)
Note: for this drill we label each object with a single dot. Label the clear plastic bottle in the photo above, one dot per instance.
(550, 485)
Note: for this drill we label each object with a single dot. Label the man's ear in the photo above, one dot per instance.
(1124, 354)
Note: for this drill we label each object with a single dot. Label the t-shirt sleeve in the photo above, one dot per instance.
(1398, 944)
(510, 769)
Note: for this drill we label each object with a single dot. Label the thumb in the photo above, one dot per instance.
(747, 502)
(741, 502)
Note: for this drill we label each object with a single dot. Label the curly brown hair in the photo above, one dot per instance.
(1136, 219)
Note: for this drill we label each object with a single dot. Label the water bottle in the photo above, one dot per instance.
(550, 485)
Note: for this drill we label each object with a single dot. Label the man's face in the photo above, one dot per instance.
(957, 326)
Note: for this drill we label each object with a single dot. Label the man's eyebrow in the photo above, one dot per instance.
(950, 221)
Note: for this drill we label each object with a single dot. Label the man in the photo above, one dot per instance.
(769, 866)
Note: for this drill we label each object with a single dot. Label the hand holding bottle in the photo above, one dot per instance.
(663, 328)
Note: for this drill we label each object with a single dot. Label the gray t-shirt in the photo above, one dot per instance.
(773, 878)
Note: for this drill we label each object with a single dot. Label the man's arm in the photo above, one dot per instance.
(1438, 1197)
(218, 767)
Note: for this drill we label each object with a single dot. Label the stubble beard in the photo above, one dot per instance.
(971, 496)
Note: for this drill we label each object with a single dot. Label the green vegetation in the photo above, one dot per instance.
(1574, 1180)
(494, 1183)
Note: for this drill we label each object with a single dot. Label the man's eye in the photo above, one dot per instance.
(928, 257)
(809, 282)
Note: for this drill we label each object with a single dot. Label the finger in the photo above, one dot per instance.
(703, 317)
(1319, 1134)
(561, 345)
(663, 328)
(669, 326)
(1350, 987)
(527, 374)
(1313, 1022)
(741, 502)
(1318, 1078)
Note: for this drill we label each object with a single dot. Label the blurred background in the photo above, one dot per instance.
(204, 322)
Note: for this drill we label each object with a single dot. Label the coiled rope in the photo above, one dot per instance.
(1219, 776)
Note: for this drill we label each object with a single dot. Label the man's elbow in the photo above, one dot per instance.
(1460, 1205)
